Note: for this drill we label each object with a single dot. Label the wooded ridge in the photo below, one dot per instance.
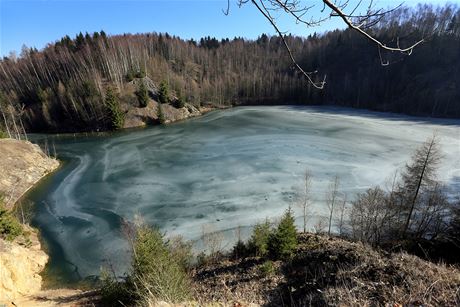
(64, 86)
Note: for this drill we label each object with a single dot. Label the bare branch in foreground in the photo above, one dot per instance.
(349, 23)
(301, 13)
(264, 12)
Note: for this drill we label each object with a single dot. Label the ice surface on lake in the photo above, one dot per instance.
(226, 169)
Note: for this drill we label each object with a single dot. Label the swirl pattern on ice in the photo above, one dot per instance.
(226, 169)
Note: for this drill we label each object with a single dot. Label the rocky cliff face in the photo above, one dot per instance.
(20, 267)
(22, 164)
(136, 117)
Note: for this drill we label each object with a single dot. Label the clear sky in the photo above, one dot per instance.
(35, 23)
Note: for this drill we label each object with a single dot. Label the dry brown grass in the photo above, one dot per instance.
(231, 281)
(401, 279)
(329, 271)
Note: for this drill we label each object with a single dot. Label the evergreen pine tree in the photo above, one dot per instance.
(180, 101)
(116, 115)
(161, 116)
(258, 243)
(79, 41)
(163, 92)
(88, 37)
(142, 95)
(283, 241)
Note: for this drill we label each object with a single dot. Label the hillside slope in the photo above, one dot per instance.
(62, 87)
(22, 164)
(329, 271)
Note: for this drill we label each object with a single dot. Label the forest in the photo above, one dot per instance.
(64, 86)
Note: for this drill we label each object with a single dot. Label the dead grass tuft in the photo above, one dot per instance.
(328, 271)
(402, 279)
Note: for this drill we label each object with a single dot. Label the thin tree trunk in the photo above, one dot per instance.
(23, 130)
(331, 205)
(406, 226)
(18, 134)
(6, 125)
(305, 218)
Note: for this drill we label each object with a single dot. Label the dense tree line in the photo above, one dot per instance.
(63, 86)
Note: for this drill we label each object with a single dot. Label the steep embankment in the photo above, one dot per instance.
(22, 164)
(20, 265)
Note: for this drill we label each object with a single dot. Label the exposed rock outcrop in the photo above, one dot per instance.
(136, 117)
(22, 164)
(20, 268)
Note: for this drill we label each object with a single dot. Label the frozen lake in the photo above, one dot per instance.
(223, 170)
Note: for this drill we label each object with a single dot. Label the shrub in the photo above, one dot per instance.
(202, 259)
(181, 251)
(283, 241)
(10, 228)
(130, 75)
(142, 95)
(158, 272)
(43, 96)
(113, 292)
(88, 89)
(240, 250)
(267, 269)
(212, 242)
(3, 134)
(258, 243)
(140, 73)
(369, 212)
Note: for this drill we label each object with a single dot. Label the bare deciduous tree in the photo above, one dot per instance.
(332, 197)
(433, 215)
(212, 240)
(320, 225)
(341, 213)
(305, 203)
(368, 216)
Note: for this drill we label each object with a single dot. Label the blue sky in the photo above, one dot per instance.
(37, 22)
